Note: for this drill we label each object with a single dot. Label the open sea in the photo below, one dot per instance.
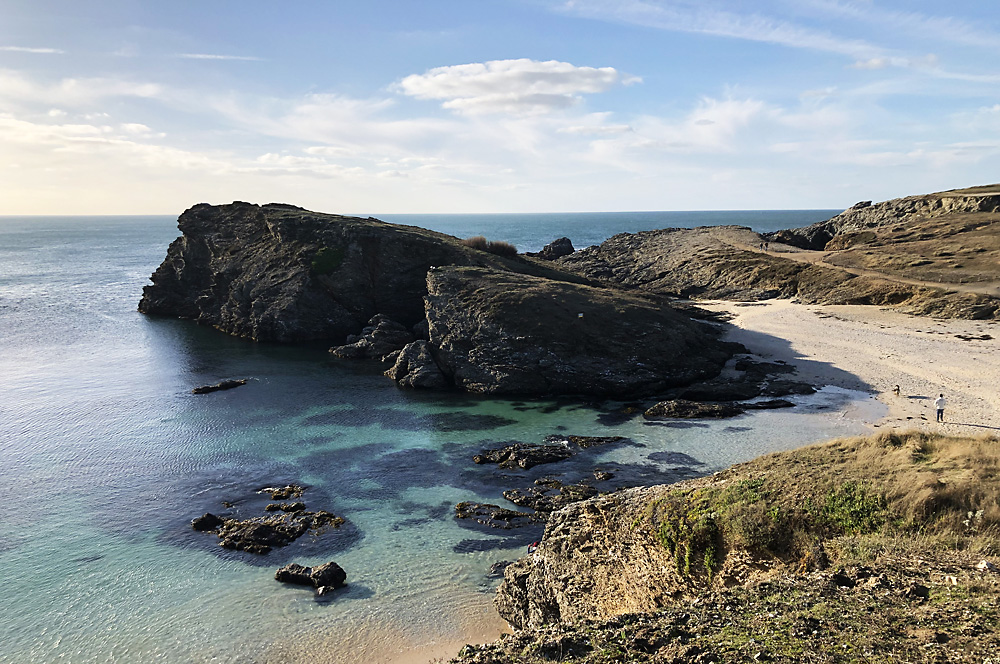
(106, 456)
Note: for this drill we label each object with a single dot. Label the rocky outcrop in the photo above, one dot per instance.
(682, 408)
(555, 249)
(844, 229)
(281, 273)
(496, 332)
(415, 366)
(381, 337)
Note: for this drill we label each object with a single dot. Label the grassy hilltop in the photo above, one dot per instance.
(870, 549)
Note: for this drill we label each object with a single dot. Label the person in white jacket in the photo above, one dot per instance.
(939, 404)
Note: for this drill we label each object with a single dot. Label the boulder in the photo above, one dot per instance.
(381, 337)
(206, 522)
(322, 577)
(415, 367)
(555, 249)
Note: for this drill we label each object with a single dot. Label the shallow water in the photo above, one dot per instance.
(105, 457)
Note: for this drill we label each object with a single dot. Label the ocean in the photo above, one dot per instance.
(106, 456)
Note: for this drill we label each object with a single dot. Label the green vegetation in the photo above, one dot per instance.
(859, 550)
(327, 259)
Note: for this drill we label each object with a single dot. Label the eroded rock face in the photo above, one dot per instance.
(377, 340)
(281, 273)
(415, 366)
(502, 333)
(577, 574)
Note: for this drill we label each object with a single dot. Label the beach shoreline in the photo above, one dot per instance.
(873, 349)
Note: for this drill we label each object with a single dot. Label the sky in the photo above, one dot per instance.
(466, 106)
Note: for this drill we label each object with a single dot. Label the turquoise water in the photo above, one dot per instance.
(105, 457)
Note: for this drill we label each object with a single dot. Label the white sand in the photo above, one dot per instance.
(867, 348)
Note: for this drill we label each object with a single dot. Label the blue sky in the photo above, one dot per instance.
(129, 107)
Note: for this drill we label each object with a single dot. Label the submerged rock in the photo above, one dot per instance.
(494, 516)
(523, 455)
(682, 408)
(223, 385)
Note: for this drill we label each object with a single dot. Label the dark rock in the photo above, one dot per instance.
(555, 249)
(281, 273)
(769, 404)
(295, 573)
(522, 455)
(681, 408)
(602, 476)
(224, 385)
(493, 516)
(496, 569)
(503, 333)
(285, 507)
(415, 367)
(381, 337)
(328, 576)
(550, 495)
(206, 521)
(585, 442)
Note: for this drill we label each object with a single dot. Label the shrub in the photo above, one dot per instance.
(327, 259)
(476, 242)
(499, 248)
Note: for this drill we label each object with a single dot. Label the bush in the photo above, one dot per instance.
(327, 259)
(499, 248)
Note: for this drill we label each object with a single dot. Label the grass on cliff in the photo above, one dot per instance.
(785, 506)
(497, 247)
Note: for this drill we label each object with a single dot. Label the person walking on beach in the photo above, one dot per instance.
(939, 404)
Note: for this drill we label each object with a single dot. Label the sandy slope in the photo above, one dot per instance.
(862, 347)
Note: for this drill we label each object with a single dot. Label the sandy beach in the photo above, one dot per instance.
(873, 349)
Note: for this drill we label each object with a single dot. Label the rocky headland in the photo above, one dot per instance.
(443, 313)
(934, 255)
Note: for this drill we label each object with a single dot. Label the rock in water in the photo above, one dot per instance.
(281, 273)
(681, 408)
(325, 577)
(223, 385)
(498, 332)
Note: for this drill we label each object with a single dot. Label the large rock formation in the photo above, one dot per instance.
(280, 273)
(498, 332)
(864, 216)
(925, 256)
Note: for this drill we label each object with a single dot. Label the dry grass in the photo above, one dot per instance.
(498, 247)
(913, 486)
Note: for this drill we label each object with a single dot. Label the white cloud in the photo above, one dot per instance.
(704, 18)
(512, 86)
(71, 92)
(26, 49)
(213, 56)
